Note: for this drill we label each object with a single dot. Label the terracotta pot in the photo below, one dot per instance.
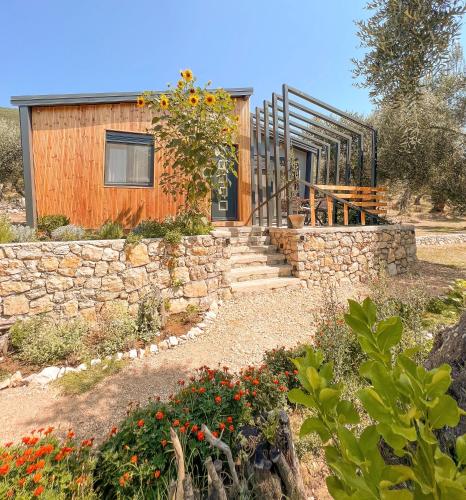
(297, 221)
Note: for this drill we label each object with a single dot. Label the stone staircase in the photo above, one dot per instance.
(256, 265)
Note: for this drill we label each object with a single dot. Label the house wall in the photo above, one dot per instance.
(68, 147)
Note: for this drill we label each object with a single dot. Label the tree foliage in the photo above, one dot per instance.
(10, 154)
(407, 41)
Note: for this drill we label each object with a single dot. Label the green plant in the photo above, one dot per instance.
(41, 341)
(407, 404)
(23, 234)
(278, 361)
(114, 331)
(173, 237)
(47, 223)
(6, 230)
(195, 126)
(68, 233)
(190, 314)
(148, 321)
(47, 467)
(74, 383)
(110, 231)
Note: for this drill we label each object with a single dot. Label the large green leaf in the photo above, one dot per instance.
(358, 326)
(396, 495)
(396, 441)
(389, 332)
(298, 396)
(313, 377)
(441, 381)
(370, 310)
(452, 490)
(369, 439)
(396, 474)
(347, 413)
(357, 311)
(445, 412)
(461, 449)
(350, 446)
(313, 424)
(374, 405)
(329, 398)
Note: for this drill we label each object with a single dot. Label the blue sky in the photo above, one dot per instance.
(50, 46)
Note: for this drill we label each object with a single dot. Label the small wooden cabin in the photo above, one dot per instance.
(89, 156)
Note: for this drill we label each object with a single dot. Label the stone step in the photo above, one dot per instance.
(253, 249)
(249, 273)
(256, 259)
(254, 286)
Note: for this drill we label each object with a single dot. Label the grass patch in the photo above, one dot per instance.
(4, 374)
(448, 255)
(75, 383)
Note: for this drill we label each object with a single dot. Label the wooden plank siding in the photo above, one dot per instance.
(68, 145)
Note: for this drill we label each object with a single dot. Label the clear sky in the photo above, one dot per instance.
(64, 46)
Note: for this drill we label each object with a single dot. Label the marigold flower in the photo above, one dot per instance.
(30, 469)
(159, 415)
(210, 101)
(157, 474)
(141, 423)
(200, 436)
(255, 382)
(10, 493)
(21, 482)
(232, 428)
(194, 428)
(218, 399)
(202, 390)
(4, 470)
(40, 464)
(113, 431)
(215, 434)
(20, 461)
(124, 478)
(87, 442)
(275, 381)
(187, 75)
(176, 423)
(38, 491)
(49, 430)
(194, 100)
(81, 480)
(163, 443)
(134, 459)
(7, 445)
(59, 457)
(182, 429)
(26, 439)
(140, 101)
(221, 426)
(237, 396)
(37, 477)
(229, 420)
(164, 101)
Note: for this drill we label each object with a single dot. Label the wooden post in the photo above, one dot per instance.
(345, 214)
(363, 218)
(312, 205)
(330, 210)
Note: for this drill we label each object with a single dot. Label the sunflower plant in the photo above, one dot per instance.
(195, 127)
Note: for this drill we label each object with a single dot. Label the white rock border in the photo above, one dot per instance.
(51, 373)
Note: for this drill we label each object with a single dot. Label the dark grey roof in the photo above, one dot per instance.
(100, 98)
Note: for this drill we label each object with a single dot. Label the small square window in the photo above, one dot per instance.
(129, 159)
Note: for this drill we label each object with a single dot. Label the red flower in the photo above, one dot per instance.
(229, 420)
(159, 415)
(70, 434)
(7, 445)
(182, 429)
(87, 442)
(4, 470)
(237, 396)
(157, 474)
(200, 436)
(38, 491)
(40, 464)
(254, 393)
(141, 423)
(134, 459)
(113, 431)
(81, 480)
(48, 431)
(180, 382)
(276, 382)
(26, 439)
(215, 434)
(20, 461)
(30, 469)
(21, 482)
(232, 428)
(163, 443)
(221, 426)
(202, 390)
(218, 399)
(176, 423)
(37, 477)
(59, 457)
(194, 428)
(255, 382)
(295, 372)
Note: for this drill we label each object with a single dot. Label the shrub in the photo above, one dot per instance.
(278, 361)
(212, 397)
(191, 314)
(110, 231)
(68, 233)
(150, 229)
(46, 467)
(11, 161)
(173, 237)
(23, 234)
(148, 321)
(407, 404)
(6, 230)
(47, 223)
(115, 331)
(41, 341)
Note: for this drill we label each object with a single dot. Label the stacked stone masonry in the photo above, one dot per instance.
(79, 278)
(441, 239)
(346, 254)
(67, 279)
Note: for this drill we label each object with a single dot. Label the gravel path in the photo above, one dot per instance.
(244, 329)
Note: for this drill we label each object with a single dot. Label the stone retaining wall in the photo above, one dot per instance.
(348, 254)
(441, 239)
(71, 278)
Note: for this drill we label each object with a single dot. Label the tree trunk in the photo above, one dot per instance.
(267, 486)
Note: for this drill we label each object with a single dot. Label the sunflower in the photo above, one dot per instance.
(140, 102)
(194, 100)
(210, 99)
(180, 84)
(163, 101)
(187, 75)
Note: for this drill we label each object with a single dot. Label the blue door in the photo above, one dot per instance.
(225, 198)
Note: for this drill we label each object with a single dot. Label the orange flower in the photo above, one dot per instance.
(37, 477)
(123, 479)
(229, 420)
(59, 457)
(81, 480)
(30, 469)
(159, 415)
(10, 493)
(4, 470)
(194, 100)
(40, 464)
(218, 399)
(163, 443)
(200, 436)
(201, 390)
(70, 434)
(48, 431)
(140, 101)
(237, 396)
(187, 75)
(194, 428)
(21, 482)
(255, 382)
(221, 426)
(232, 428)
(141, 423)
(38, 491)
(113, 431)
(87, 442)
(215, 434)
(210, 99)
(182, 429)
(254, 393)
(26, 439)
(157, 474)
(134, 459)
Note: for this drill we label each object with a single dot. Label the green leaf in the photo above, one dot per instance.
(461, 449)
(374, 404)
(369, 439)
(396, 495)
(347, 413)
(358, 326)
(312, 424)
(441, 381)
(298, 396)
(313, 377)
(336, 488)
(396, 441)
(349, 445)
(389, 332)
(408, 432)
(357, 311)
(326, 371)
(329, 398)
(396, 474)
(452, 490)
(445, 412)
(370, 310)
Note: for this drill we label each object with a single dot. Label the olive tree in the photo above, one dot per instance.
(10, 155)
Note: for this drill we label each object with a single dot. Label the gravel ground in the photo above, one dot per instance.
(244, 329)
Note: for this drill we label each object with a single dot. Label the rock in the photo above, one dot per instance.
(153, 348)
(195, 289)
(16, 379)
(41, 305)
(5, 384)
(50, 373)
(96, 361)
(10, 287)
(4, 340)
(137, 255)
(135, 278)
(58, 283)
(112, 284)
(81, 367)
(101, 269)
(15, 304)
(210, 315)
(70, 369)
(133, 354)
(92, 253)
(119, 356)
(141, 353)
(450, 347)
(214, 306)
(173, 341)
(164, 345)
(48, 263)
(201, 326)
